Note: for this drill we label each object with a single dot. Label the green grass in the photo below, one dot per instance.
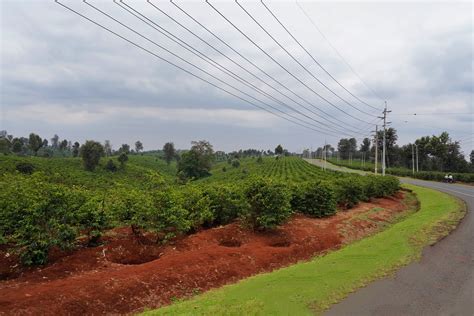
(311, 287)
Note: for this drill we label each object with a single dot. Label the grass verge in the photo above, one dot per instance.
(311, 287)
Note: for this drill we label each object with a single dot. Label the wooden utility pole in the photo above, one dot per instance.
(376, 148)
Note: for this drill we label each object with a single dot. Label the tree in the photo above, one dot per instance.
(365, 146)
(35, 142)
(107, 148)
(45, 143)
(169, 152)
(123, 158)
(138, 146)
(471, 156)
(17, 145)
(124, 149)
(5, 145)
(197, 162)
(345, 147)
(55, 141)
(91, 152)
(279, 150)
(63, 145)
(75, 149)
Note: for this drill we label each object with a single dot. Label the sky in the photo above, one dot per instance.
(61, 74)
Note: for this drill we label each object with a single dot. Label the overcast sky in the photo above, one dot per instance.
(62, 74)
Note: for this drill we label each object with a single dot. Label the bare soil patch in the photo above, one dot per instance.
(126, 274)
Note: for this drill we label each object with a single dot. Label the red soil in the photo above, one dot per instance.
(125, 275)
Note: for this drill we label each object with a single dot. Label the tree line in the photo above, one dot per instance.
(435, 153)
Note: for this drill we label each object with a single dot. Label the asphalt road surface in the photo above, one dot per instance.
(441, 283)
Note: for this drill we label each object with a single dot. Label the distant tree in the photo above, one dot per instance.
(5, 145)
(471, 156)
(123, 158)
(91, 152)
(17, 145)
(365, 146)
(45, 143)
(197, 162)
(169, 152)
(138, 146)
(124, 149)
(107, 148)
(35, 142)
(345, 147)
(75, 149)
(63, 145)
(55, 141)
(279, 150)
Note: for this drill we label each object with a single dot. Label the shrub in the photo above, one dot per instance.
(224, 169)
(129, 207)
(350, 190)
(25, 167)
(316, 199)
(235, 163)
(92, 219)
(269, 203)
(36, 216)
(110, 166)
(226, 203)
(122, 158)
(168, 218)
(198, 207)
(259, 159)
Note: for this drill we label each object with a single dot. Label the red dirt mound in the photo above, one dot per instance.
(125, 274)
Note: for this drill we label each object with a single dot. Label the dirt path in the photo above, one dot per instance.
(124, 275)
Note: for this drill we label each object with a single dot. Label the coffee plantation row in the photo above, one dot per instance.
(43, 210)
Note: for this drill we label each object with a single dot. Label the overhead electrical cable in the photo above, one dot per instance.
(220, 67)
(185, 70)
(305, 68)
(278, 63)
(315, 61)
(339, 54)
(284, 86)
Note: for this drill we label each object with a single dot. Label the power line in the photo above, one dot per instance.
(302, 66)
(317, 63)
(284, 68)
(337, 52)
(233, 74)
(285, 87)
(183, 69)
(212, 62)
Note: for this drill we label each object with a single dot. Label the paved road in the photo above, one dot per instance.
(442, 283)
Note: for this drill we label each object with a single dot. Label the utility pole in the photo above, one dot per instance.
(416, 146)
(325, 155)
(376, 148)
(384, 145)
(412, 159)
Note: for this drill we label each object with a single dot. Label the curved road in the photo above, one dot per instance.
(441, 283)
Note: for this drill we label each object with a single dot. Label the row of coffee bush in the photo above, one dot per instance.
(38, 215)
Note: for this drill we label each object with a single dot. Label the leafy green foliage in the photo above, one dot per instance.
(316, 198)
(25, 167)
(60, 201)
(110, 166)
(90, 153)
(226, 202)
(269, 203)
